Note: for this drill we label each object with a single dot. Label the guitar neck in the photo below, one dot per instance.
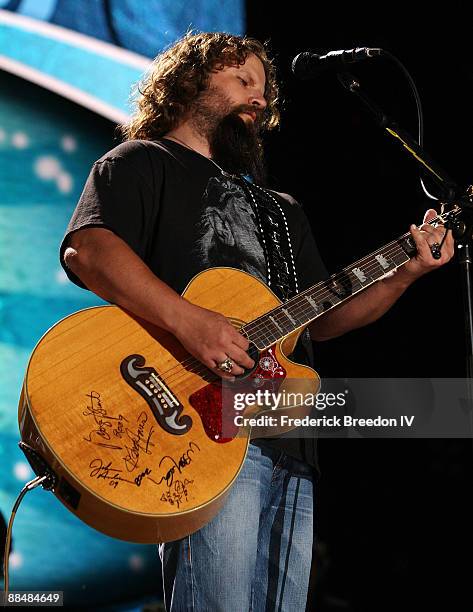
(312, 303)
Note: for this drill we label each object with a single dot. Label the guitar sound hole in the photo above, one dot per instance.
(254, 354)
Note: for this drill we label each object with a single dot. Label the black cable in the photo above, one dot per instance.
(420, 115)
(29, 486)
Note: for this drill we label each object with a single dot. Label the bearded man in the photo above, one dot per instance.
(185, 192)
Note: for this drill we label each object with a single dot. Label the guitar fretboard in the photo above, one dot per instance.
(310, 304)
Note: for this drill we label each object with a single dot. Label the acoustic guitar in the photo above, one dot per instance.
(139, 438)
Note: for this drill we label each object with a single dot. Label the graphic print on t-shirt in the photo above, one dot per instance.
(228, 233)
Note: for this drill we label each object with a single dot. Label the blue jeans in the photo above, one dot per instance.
(255, 555)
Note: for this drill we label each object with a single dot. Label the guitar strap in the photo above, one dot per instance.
(281, 275)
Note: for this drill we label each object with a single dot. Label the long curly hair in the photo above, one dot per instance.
(182, 72)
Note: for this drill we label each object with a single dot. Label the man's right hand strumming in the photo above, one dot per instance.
(112, 270)
(211, 339)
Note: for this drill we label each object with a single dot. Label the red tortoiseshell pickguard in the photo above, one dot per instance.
(218, 416)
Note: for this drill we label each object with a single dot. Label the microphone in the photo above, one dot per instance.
(308, 65)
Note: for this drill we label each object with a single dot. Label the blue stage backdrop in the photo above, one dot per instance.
(142, 26)
(47, 145)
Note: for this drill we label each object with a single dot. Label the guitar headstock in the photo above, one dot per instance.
(455, 217)
(448, 213)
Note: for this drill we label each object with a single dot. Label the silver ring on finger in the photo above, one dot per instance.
(435, 250)
(226, 365)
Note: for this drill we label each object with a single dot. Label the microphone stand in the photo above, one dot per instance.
(461, 225)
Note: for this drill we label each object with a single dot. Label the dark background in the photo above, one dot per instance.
(393, 517)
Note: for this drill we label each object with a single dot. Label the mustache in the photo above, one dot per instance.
(248, 108)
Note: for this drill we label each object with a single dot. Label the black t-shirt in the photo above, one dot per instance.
(181, 215)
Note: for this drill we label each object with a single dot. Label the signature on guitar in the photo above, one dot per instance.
(106, 424)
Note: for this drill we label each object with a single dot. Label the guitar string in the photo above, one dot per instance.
(301, 310)
(306, 309)
(392, 247)
(201, 368)
(189, 362)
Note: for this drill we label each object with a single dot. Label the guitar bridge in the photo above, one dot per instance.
(163, 403)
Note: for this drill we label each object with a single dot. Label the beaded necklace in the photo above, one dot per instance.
(270, 217)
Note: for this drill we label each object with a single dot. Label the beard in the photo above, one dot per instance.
(235, 145)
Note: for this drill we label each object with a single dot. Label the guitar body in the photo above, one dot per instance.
(131, 424)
